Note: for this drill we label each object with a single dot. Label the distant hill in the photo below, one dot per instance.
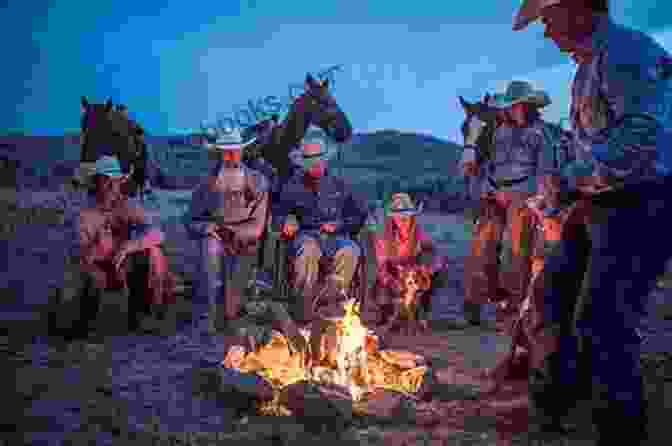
(376, 163)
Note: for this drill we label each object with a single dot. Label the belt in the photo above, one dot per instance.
(506, 183)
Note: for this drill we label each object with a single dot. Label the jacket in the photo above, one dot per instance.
(242, 211)
(334, 203)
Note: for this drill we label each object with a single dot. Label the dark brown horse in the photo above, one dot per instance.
(106, 131)
(315, 106)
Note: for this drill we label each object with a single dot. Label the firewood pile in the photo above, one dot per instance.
(338, 362)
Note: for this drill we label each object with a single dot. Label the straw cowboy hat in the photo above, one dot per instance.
(315, 149)
(521, 91)
(402, 204)
(530, 11)
(232, 140)
(109, 166)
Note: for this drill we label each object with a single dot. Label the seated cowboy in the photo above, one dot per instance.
(120, 248)
(401, 246)
(227, 216)
(328, 213)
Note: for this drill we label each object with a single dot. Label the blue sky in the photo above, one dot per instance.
(175, 65)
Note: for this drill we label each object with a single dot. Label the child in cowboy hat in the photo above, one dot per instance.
(227, 217)
(120, 247)
(401, 244)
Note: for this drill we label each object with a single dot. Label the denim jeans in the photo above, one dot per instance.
(628, 247)
(215, 267)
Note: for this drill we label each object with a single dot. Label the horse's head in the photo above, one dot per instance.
(317, 106)
(106, 131)
(482, 118)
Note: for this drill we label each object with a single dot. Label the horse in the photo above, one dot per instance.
(485, 141)
(139, 175)
(275, 141)
(107, 131)
(315, 106)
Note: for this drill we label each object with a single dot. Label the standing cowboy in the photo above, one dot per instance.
(621, 113)
(227, 216)
(522, 160)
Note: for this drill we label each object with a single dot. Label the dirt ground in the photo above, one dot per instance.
(112, 386)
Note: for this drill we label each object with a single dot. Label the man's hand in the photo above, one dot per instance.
(593, 189)
(329, 228)
(289, 230)
(537, 204)
(212, 230)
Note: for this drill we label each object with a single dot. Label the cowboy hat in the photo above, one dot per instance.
(530, 11)
(402, 204)
(109, 166)
(521, 91)
(232, 140)
(314, 149)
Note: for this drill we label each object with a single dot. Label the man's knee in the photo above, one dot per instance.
(349, 254)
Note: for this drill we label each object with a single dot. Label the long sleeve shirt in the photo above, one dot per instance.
(621, 109)
(244, 212)
(333, 202)
(520, 153)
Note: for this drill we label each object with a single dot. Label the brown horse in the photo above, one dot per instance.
(106, 131)
(487, 115)
(315, 106)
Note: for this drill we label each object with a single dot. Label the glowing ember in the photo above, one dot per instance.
(342, 352)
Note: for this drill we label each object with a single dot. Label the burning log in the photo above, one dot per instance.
(341, 353)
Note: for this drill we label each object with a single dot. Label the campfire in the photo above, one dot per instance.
(342, 353)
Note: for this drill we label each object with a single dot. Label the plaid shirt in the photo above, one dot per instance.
(621, 109)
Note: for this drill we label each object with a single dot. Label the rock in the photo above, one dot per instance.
(250, 385)
(322, 404)
(381, 403)
(393, 407)
(403, 358)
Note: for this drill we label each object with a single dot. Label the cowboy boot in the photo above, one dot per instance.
(545, 403)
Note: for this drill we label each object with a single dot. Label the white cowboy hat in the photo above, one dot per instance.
(402, 204)
(521, 91)
(315, 149)
(232, 140)
(530, 11)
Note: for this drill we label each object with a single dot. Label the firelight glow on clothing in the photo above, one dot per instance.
(622, 106)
